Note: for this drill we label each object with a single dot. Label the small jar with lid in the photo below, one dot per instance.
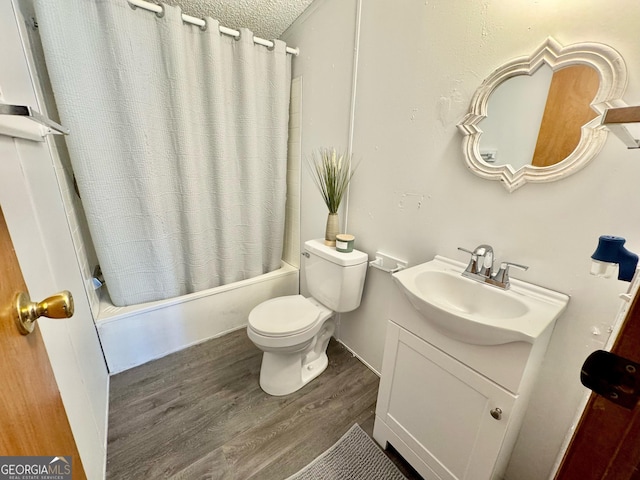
(344, 242)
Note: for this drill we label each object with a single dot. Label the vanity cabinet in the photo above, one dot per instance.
(452, 410)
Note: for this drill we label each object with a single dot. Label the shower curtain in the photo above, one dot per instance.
(178, 144)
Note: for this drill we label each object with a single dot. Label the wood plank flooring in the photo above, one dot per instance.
(200, 414)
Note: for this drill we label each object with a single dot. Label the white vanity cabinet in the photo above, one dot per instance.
(451, 409)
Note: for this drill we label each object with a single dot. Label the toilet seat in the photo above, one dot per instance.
(284, 316)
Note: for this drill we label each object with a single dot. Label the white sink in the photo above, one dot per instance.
(476, 313)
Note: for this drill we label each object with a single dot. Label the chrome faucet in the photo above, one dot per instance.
(481, 260)
(480, 267)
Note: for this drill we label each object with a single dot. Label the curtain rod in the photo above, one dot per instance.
(153, 7)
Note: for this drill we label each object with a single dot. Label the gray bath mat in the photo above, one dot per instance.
(354, 457)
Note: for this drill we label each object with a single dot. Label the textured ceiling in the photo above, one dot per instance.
(265, 18)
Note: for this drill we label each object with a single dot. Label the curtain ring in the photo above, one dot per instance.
(273, 46)
(204, 27)
(237, 37)
(159, 14)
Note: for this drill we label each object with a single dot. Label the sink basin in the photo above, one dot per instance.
(477, 313)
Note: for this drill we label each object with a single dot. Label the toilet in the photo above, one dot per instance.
(294, 331)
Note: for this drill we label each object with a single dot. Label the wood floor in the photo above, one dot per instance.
(200, 414)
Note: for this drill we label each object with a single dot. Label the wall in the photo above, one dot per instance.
(418, 67)
(326, 37)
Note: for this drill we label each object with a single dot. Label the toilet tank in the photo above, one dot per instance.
(333, 278)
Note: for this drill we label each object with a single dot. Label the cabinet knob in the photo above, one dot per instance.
(496, 413)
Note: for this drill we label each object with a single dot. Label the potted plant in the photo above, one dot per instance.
(331, 172)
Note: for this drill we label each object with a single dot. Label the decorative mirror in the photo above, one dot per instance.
(538, 118)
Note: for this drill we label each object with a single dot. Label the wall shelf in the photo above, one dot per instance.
(22, 121)
(615, 118)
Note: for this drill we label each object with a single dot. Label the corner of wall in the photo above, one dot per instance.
(291, 250)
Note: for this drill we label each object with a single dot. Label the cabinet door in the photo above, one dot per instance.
(441, 409)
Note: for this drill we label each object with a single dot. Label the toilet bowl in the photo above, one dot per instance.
(294, 331)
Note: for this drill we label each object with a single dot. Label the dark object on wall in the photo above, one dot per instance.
(612, 376)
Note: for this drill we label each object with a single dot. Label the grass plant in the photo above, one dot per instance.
(331, 171)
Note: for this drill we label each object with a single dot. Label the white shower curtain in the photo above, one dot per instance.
(178, 143)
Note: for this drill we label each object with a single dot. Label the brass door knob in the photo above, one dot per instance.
(27, 312)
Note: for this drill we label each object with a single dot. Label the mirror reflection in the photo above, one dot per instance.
(537, 120)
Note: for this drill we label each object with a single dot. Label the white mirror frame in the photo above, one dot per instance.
(613, 81)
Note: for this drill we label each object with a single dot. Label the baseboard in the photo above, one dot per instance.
(355, 354)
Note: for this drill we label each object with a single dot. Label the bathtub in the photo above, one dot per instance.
(136, 334)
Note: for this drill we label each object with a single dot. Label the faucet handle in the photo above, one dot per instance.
(506, 266)
(465, 250)
(503, 274)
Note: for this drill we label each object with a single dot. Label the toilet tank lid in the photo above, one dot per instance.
(318, 247)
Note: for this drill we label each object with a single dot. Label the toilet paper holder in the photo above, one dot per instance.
(388, 263)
